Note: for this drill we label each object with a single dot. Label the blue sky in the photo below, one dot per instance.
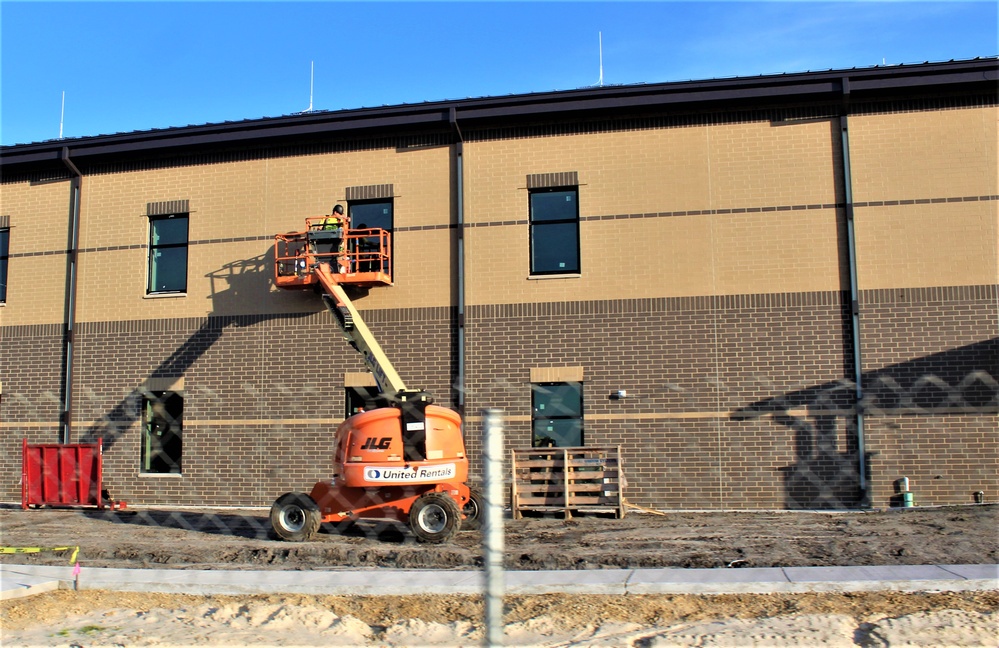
(127, 66)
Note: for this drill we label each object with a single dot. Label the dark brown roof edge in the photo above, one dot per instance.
(864, 83)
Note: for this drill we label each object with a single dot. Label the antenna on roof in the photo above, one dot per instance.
(62, 114)
(312, 83)
(600, 35)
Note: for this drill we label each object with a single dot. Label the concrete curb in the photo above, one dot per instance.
(17, 581)
(26, 580)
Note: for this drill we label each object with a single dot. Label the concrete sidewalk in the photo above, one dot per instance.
(25, 580)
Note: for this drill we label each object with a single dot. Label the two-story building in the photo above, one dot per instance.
(771, 292)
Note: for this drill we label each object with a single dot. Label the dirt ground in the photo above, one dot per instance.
(233, 539)
(229, 539)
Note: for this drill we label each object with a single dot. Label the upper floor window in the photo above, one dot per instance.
(368, 214)
(555, 230)
(557, 414)
(167, 253)
(4, 253)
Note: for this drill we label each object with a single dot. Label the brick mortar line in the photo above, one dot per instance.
(635, 416)
(874, 298)
(520, 222)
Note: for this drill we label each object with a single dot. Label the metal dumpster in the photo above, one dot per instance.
(62, 474)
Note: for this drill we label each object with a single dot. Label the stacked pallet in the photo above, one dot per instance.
(567, 480)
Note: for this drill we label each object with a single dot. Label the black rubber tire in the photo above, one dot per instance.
(295, 517)
(472, 511)
(434, 518)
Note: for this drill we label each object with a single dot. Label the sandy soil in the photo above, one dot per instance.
(870, 619)
(226, 539)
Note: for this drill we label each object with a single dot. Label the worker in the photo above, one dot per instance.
(335, 220)
(342, 264)
(331, 241)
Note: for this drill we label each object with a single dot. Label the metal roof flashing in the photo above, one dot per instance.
(967, 76)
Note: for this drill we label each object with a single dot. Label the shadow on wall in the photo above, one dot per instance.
(235, 287)
(958, 381)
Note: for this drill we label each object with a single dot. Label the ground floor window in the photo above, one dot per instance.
(557, 414)
(363, 399)
(162, 432)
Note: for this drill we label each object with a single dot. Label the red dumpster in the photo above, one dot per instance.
(62, 474)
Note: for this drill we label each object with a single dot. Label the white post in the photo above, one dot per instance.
(492, 528)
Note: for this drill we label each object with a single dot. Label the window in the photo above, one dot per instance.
(372, 214)
(162, 438)
(4, 253)
(167, 254)
(557, 414)
(363, 399)
(554, 230)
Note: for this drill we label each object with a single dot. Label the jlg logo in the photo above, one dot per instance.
(377, 444)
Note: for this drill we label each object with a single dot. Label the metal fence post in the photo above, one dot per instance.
(492, 529)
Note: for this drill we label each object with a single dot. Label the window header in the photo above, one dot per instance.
(370, 192)
(168, 207)
(556, 374)
(547, 180)
(361, 379)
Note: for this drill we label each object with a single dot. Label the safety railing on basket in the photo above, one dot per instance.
(359, 256)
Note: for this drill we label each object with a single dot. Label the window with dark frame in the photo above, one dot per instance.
(554, 218)
(168, 241)
(557, 414)
(4, 254)
(366, 214)
(162, 432)
(363, 399)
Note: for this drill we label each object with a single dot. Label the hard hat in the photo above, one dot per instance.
(338, 209)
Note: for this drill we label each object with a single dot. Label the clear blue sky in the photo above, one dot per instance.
(127, 66)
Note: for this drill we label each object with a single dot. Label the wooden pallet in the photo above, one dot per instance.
(563, 480)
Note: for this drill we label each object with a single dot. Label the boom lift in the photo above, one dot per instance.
(403, 462)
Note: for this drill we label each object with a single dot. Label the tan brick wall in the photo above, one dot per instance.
(738, 166)
(39, 235)
(762, 164)
(753, 165)
(939, 244)
(932, 167)
(255, 198)
(924, 154)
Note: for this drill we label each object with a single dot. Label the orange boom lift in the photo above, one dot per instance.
(404, 462)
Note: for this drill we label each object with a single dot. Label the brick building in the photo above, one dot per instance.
(730, 256)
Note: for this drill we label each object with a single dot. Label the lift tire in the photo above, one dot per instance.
(434, 518)
(295, 517)
(472, 511)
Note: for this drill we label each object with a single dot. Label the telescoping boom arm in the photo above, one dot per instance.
(360, 337)
(412, 403)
